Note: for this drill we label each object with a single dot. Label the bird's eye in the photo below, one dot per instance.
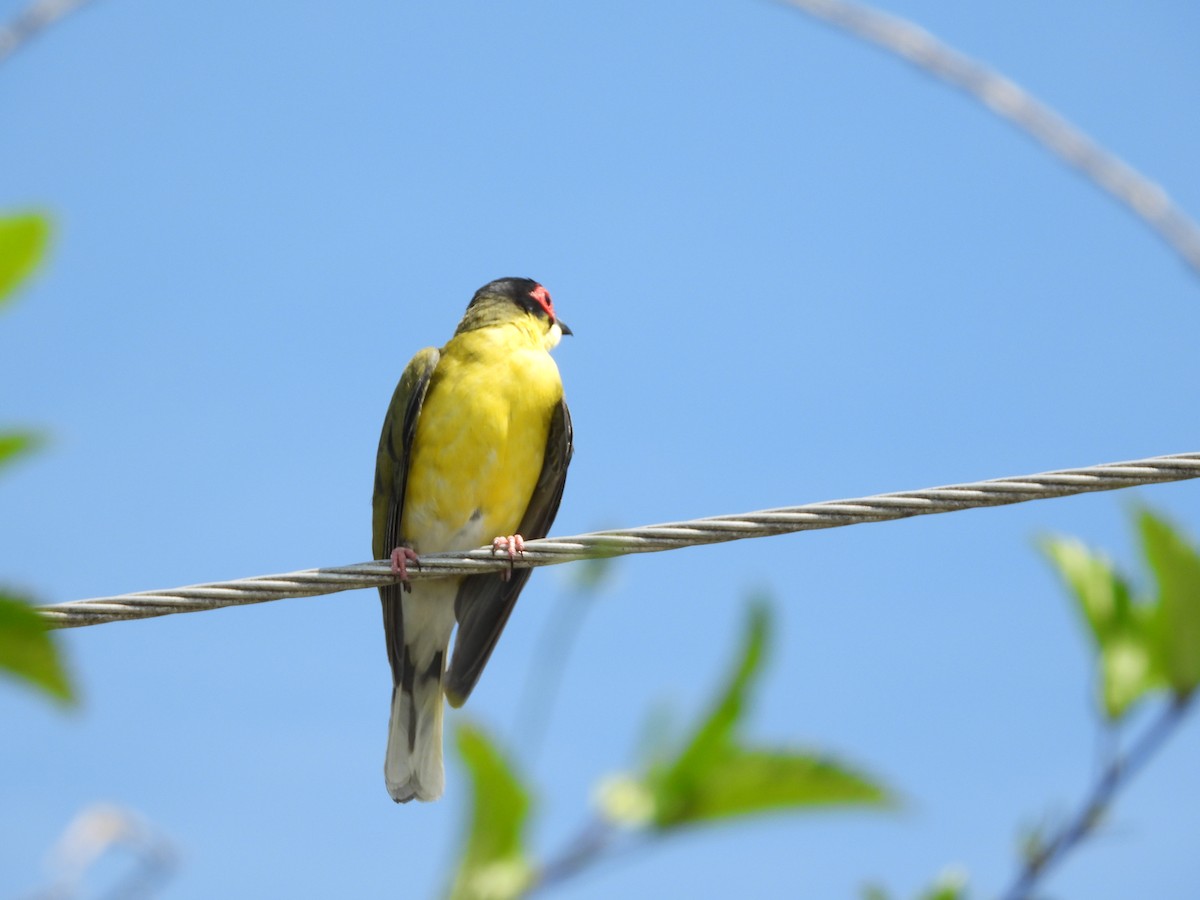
(542, 297)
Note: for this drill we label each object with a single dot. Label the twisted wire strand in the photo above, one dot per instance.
(647, 539)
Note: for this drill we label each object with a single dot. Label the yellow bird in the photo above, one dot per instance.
(474, 450)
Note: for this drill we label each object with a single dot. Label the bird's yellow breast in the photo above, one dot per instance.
(480, 439)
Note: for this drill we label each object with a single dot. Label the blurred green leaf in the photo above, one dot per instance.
(26, 647)
(1119, 626)
(27, 650)
(743, 782)
(23, 240)
(1103, 595)
(1128, 672)
(717, 729)
(951, 884)
(14, 444)
(675, 783)
(625, 800)
(656, 739)
(1176, 567)
(493, 863)
(715, 776)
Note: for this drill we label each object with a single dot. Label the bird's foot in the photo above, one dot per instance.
(514, 546)
(401, 557)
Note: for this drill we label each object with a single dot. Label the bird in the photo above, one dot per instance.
(474, 451)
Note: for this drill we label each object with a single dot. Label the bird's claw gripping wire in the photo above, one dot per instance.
(401, 557)
(513, 545)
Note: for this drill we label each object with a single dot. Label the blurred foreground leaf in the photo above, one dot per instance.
(951, 884)
(1120, 627)
(1176, 567)
(14, 444)
(715, 776)
(712, 740)
(757, 781)
(494, 864)
(26, 648)
(1144, 646)
(23, 241)
(27, 651)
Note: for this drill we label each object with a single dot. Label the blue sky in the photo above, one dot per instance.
(796, 270)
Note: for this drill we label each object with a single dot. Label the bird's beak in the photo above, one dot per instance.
(562, 326)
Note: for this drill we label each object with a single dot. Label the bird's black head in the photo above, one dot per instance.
(525, 293)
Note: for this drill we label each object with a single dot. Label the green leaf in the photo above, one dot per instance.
(1102, 594)
(626, 800)
(717, 728)
(753, 781)
(1127, 673)
(27, 650)
(1119, 626)
(1176, 567)
(14, 444)
(493, 864)
(23, 240)
(951, 884)
(715, 776)
(674, 784)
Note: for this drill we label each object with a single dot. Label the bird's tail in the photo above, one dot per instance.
(420, 634)
(413, 765)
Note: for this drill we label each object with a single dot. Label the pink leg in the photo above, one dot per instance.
(401, 557)
(513, 545)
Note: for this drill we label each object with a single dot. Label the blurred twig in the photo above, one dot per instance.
(581, 851)
(96, 832)
(1115, 776)
(31, 22)
(544, 677)
(1143, 197)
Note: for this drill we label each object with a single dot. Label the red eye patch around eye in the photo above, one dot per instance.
(542, 296)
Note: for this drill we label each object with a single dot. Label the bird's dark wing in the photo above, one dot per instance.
(391, 482)
(484, 602)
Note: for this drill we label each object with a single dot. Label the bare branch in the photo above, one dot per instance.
(1007, 99)
(35, 19)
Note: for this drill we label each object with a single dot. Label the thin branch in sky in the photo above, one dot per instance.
(1116, 775)
(1143, 197)
(31, 22)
